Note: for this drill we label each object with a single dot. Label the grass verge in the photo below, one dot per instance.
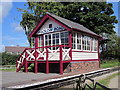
(10, 70)
(110, 63)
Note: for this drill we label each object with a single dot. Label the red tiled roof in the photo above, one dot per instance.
(14, 49)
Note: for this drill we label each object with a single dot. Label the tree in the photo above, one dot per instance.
(8, 59)
(97, 16)
(111, 48)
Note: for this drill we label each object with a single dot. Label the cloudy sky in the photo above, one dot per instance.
(12, 33)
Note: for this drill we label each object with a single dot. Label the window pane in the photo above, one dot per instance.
(62, 40)
(53, 36)
(57, 41)
(49, 36)
(78, 46)
(62, 34)
(45, 36)
(57, 35)
(66, 40)
(66, 34)
(53, 41)
(50, 42)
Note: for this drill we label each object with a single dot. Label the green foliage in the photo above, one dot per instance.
(97, 16)
(8, 59)
(112, 48)
(31, 67)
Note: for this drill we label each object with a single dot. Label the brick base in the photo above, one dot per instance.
(81, 67)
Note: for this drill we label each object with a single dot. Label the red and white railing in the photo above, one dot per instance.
(44, 54)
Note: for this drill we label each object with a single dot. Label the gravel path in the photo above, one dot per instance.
(114, 83)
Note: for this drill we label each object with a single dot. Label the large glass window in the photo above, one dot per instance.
(64, 38)
(76, 41)
(73, 41)
(59, 38)
(40, 42)
(94, 44)
(83, 42)
(86, 43)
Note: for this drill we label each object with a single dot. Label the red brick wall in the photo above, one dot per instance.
(82, 67)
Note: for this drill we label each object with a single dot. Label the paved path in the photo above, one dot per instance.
(19, 78)
(114, 83)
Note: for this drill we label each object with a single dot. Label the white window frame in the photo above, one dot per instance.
(90, 40)
(94, 41)
(52, 38)
(76, 47)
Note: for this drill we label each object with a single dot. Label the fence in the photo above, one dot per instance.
(84, 84)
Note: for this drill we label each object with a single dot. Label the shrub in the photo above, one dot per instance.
(8, 59)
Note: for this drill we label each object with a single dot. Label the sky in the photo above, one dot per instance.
(12, 33)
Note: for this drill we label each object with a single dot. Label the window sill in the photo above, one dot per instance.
(86, 51)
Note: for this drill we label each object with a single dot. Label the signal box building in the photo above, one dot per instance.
(61, 46)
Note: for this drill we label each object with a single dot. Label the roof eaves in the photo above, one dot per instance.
(88, 33)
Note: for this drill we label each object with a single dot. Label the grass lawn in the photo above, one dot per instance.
(110, 63)
(9, 70)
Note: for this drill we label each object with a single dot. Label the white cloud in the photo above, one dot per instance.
(17, 27)
(5, 8)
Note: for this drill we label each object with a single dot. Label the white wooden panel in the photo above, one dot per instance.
(84, 55)
(46, 24)
(54, 57)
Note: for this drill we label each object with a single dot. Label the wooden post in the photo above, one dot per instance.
(61, 63)
(47, 63)
(36, 46)
(36, 67)
(26, 64)
(70, 44)
(98, 53)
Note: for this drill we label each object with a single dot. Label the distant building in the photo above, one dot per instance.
(14, 49)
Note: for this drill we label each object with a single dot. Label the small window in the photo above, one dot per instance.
(50, 25)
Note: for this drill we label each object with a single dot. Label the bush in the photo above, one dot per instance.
(8, 59)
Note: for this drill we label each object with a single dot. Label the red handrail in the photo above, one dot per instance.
(47, 53)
